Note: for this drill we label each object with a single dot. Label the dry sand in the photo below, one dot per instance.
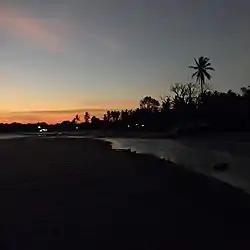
(80, 194)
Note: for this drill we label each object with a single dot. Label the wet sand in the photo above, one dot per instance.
(80, 194)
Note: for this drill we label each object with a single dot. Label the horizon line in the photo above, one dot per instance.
(60, 110)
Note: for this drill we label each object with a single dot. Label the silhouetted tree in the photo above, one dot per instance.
(87, 117)
(109, 116)
(201, 71)
(179, 90)
(190, 105)
(105, 117)
(76, 119)
(192, 93)
(148, 102)
(95, 122)
(94, 119)
(66, 126)
(165, 103)
(115, 114)
(245, 91)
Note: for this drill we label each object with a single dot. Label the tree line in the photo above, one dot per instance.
(190, 106)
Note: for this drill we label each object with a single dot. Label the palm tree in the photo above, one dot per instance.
(202, 66)
(76, 119)
(109, 116)
(86, 117)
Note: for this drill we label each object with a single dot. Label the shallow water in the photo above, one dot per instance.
(11, 136)
(196, 156)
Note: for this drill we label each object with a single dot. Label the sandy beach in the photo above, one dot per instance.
(79, 194)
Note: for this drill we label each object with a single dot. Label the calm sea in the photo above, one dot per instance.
(11, 136)
(199, 156)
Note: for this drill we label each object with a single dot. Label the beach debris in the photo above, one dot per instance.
(223, 166)
(162, 158)
(123, 150)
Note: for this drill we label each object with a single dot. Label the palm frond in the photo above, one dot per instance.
(194, 74)
(206, 59)
(201, 59)
(208, 76)
(210, 68)
(193, 67)
(196, 62)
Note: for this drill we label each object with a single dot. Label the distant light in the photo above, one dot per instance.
(128, 126)
(136, 124)
(77, 128)
(39, 127)
(142, 125)
(43, 130)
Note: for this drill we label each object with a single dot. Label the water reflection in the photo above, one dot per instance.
(11, 136)
(197, 158)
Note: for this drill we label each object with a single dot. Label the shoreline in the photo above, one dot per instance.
(236, 175)
(69, 193)
(222, 176)
(169, 164)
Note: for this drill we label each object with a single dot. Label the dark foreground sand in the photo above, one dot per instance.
(79, 194)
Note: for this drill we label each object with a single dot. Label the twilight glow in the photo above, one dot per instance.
(64, 57)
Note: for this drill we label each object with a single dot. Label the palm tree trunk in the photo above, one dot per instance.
(201, 83)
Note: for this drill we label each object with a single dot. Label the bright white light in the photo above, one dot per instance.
(39, 127)
(142, 125)
(76, 127)
(128, 126)
(43, 130)
(136, 124)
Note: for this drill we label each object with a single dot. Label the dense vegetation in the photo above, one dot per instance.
(190, 106)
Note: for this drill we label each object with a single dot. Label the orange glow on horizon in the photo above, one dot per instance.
(49, 117)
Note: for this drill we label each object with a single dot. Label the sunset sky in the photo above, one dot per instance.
(62, 57)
